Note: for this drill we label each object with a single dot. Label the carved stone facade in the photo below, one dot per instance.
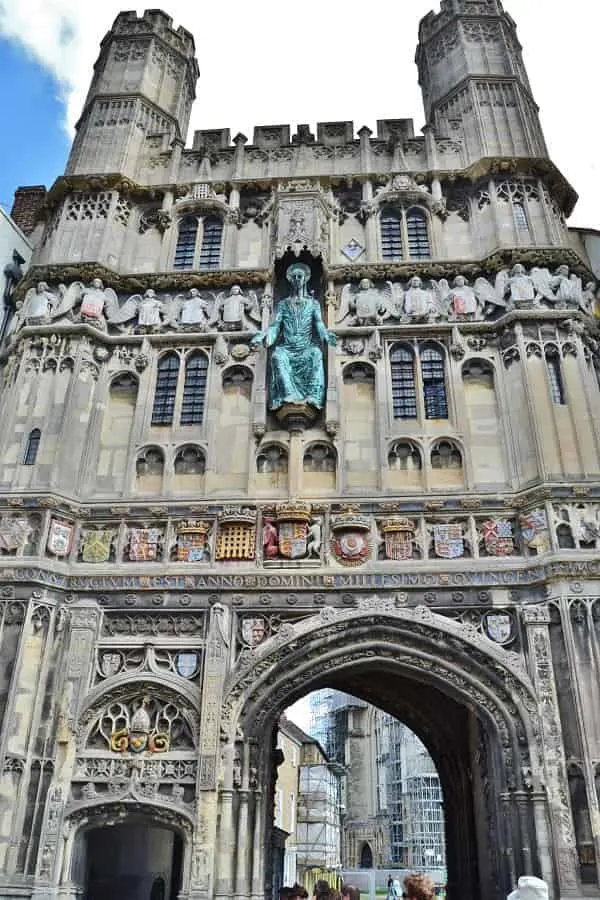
(178, 565)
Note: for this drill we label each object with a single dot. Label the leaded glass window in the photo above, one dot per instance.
(210, 251)
(194, 389)
(434, 383)
(186, 243)
(31, 450)
(166, 389)
(404, 393)
(391, 236)
(418, 234)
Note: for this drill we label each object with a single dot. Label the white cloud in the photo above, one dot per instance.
(330, 61)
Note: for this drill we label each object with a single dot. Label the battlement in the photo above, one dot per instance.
(432, 22)
(328, 134)
(153, 22)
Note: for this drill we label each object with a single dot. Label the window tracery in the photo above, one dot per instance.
(404, 233)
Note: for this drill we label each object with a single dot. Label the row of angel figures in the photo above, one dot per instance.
(99, 305)
(430, 300)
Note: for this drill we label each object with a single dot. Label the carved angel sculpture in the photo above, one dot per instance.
(463, 299)
(568, 288)
(93, 299)
(234, 311)
(492, 296)
(366, 305)
(588, 298)
(39, 302)
(190, 310)
(418, 301)
(150, 308)
(118, 315)
(544, 284)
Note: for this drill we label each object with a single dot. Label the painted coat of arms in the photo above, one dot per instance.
(399, 538)
(60, 538)
(97, 545)
(192, 542)
(448, 541)
(351, 542)
(292, 529)
(254, 629)
(144, 544)
(498, 537)
(534, 528)
(499, 627)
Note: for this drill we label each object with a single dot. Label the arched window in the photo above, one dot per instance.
(194, 389)
(32, 447)
(557, 388)
(166, 388)
(445, 455)
(520, 218)
(434, 383)
(404, 456)
(404, 394)
(418, 234)
(210, 251)
(186, 243)
(189, 461)
(319, 458)
(150, 462)
(272, 458)
(390, 223)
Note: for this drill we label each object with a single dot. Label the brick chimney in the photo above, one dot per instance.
(27, 204)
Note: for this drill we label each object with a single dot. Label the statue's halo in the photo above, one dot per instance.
(298, 266)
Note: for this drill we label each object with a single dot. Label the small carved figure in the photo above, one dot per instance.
(462, 298)
(314, 538)
(232, 311)
(270, 540)
(194, 310)
(39, 302)
(368, 305)
(150, 308)
(418, 301)
(588, 298)
(522, 286)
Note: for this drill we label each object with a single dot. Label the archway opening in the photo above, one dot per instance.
(366, 857)
(138, 860)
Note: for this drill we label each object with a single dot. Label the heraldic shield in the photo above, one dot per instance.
(498, 537)
(499, 627)
(448, 541)
(293, 539)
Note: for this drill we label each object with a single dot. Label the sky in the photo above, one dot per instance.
(320, 61)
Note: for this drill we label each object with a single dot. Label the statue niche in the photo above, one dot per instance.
(297, 335)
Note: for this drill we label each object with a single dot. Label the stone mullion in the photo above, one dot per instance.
(587, 767)
(257, 886)
(207, 835)
(537, 621)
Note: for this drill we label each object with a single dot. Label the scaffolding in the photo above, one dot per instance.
(409, 796)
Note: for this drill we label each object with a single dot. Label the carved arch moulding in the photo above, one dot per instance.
(418, 643)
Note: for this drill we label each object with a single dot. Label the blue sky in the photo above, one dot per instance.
(35, 143)
(333, 64)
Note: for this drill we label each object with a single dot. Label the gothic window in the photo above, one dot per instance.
(150, 462)
(434, 383)
(194, 389)
(445, 455)
(32, 447)
(404, 455)
(557, 389)
(210, 251)
(166, 389)
(418, 234)
(186, 243)
(404, 392)
(186, 254)
(404, 234)
(391, 236)
(319, 458)
(189, 461)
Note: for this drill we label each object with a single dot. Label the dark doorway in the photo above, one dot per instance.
(366, 857)
(136, 861)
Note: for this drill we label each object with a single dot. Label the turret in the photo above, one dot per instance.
(474, 81)
(140, 97)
